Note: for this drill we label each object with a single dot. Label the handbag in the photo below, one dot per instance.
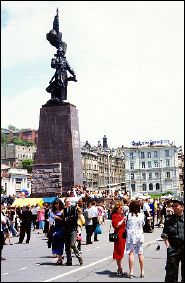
(113, 237)
(98, 229)
(124, 234)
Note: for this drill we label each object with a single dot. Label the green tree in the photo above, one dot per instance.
(27, 164)
(4, 138)
(28, 143)
(17, 141)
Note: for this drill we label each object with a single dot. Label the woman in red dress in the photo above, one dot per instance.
(119, 225)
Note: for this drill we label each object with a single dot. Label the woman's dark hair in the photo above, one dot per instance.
(60, 207)
(135, 207)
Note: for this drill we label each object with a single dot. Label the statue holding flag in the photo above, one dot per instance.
(58, 83)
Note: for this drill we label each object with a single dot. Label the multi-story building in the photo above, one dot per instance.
(181, 170)
(152, 167)
(90, 166)
(103, 168)
(12, 154)
(28, 135)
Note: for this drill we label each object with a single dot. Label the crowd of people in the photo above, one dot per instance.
(62, 222)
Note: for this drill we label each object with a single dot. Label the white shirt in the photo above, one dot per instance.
(126, 210)
(146, 207)
(3, 220)
(93, 211)
(134, 228)
(34, 210)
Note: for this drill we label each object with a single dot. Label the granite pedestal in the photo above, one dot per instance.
(59, 142)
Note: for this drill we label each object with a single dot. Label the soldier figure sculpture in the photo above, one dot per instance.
(58, 83)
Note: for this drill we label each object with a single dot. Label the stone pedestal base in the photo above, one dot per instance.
(59, 142)
(46, 180)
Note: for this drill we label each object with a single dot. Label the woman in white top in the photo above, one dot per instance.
(135, 236)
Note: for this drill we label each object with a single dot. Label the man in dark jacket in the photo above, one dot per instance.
(70, 231)
(25, 227)
(173, 235)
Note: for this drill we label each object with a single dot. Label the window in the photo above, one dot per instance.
(131, 155)
(144, 187)
(133, 187)
(149, 164)
(155, 154)
(150, 176)
(167, 154)
(156, 163)
(149, 155)
(144, 176)
(167, 174)
(131, 165)
(142, 154)
(143, 164)
(167, 162)
(18, 180)
(156, 174)
(157, 186)
(132, 176)
(150, 187)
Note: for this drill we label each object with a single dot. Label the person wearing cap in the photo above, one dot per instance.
(173, 235)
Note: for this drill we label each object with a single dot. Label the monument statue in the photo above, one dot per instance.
(59, 82)
(57, 165)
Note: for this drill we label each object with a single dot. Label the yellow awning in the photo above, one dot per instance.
(28, 201)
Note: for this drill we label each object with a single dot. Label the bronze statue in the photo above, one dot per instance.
(58, 83)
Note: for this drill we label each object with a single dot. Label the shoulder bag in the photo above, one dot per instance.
(113, 237)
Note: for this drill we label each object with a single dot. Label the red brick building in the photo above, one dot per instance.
(29, 135)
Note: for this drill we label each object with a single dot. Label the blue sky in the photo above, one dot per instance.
(128, 57)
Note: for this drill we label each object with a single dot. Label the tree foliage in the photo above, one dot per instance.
(27, 164)
(19, 141)
(4, 138)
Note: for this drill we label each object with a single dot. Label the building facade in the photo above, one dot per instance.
(14, 180)
(152, 168)
(103, 168)
(181, 170)
(28, 135)
(12, 155)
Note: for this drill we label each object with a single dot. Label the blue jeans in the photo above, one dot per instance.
(13, 230)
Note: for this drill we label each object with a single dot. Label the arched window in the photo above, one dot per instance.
(144, 187)
(133, 187)
(150, 187)
(157, 186)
